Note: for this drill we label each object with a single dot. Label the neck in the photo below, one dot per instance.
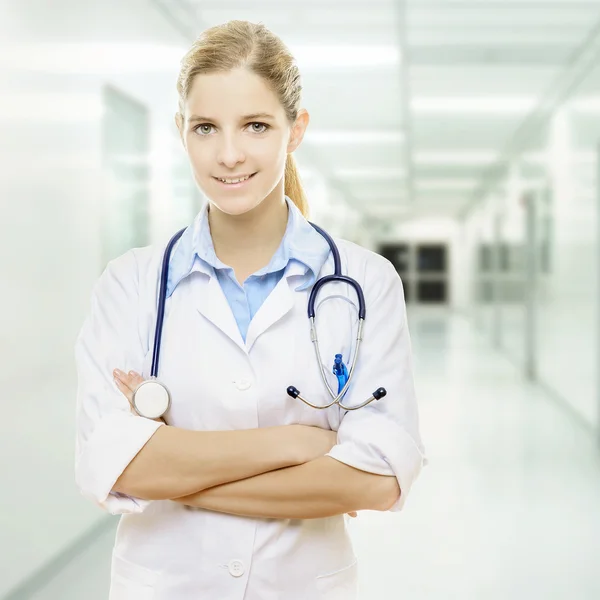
(250, 239)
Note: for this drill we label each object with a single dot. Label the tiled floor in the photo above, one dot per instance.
(509, 506)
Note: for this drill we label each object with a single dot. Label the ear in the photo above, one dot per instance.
(298, 130)
(179, 124)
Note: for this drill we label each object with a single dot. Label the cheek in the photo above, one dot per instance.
(198, 155)
(271, 159)
(273, 149)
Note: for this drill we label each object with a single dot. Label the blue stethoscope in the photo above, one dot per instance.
(152, 399)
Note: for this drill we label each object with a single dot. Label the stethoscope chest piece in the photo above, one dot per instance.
(151, 399)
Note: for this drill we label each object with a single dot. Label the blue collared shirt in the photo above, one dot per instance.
(300, 243)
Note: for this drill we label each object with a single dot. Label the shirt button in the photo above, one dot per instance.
(243, 384)
(236, 568)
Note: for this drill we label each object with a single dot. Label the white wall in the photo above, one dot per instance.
(567, 300)
(51, 194)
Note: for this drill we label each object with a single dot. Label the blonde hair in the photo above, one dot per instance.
(252, 46)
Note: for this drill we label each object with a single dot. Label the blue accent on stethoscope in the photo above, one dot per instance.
(154, 395)
(340, 370)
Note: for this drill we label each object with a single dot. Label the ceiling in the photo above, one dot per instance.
(413, 102)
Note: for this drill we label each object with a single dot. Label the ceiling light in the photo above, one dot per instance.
(388, 195)
(544, 158)
(387, 210)
(591, 104)
(354, 137)
(374, 172)
(57, 106)
(456, 158)
(446, 184)
(470, 105)
(312, 57)
(93, 57)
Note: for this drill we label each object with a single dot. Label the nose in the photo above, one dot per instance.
(230, 152)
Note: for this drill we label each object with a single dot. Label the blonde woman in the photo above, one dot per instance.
(239, 489)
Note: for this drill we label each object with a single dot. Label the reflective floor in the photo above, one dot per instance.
(509, 506)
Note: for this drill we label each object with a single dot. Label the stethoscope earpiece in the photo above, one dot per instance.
(379, 393)
(292, 391)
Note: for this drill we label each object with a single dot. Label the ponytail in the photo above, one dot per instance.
(293, 186)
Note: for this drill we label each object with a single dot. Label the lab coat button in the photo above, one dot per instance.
(236, 568)
(243, 384)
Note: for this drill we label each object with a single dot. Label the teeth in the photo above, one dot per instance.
(234, 180)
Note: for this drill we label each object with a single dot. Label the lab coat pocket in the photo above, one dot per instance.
(339, 585)
(130, 581)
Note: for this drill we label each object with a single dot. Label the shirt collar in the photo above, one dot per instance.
(300, 244)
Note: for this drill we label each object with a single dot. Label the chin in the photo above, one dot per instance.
(235, 206)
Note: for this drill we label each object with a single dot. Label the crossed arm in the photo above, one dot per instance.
(319, 488)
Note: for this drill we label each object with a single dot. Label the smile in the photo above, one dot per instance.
(234, 182)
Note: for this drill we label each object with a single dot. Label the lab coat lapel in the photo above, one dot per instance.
(213, 305)
(277, 304)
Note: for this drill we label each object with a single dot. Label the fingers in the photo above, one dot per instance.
(127, 382)
(130, 380)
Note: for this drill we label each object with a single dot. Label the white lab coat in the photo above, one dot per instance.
(166, 552)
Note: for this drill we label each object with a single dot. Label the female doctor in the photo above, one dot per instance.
(239, 490)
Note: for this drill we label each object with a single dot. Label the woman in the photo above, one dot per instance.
(240, 491)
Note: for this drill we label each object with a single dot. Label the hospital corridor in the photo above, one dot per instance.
(453, 146)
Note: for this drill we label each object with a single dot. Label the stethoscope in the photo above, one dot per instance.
(152, 399)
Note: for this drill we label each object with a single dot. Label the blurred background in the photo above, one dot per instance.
(458, 138)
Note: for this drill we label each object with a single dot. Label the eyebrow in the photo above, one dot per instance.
(244, 118)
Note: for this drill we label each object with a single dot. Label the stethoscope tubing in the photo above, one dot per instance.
(319, 284)
(162, 297)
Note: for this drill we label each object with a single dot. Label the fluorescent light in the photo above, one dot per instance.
(354, 137)
(457, 158)
(579, 157)
(591, 104)
(457, 36)
(391, 210)
(345, 56)
(487, 157)
(92, 57)
(446, 184)
(374, 172)
(57, 106)
(470, 105)
(123, 57)
(385, 195)
(131, 160)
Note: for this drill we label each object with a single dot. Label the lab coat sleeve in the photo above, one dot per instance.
(383, 437)
(108, 435)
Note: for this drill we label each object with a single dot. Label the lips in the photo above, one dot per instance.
(249, 175)
(234, 185)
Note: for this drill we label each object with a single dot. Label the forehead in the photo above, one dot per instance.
(231, 94)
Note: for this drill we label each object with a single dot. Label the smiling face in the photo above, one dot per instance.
(234, 126)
